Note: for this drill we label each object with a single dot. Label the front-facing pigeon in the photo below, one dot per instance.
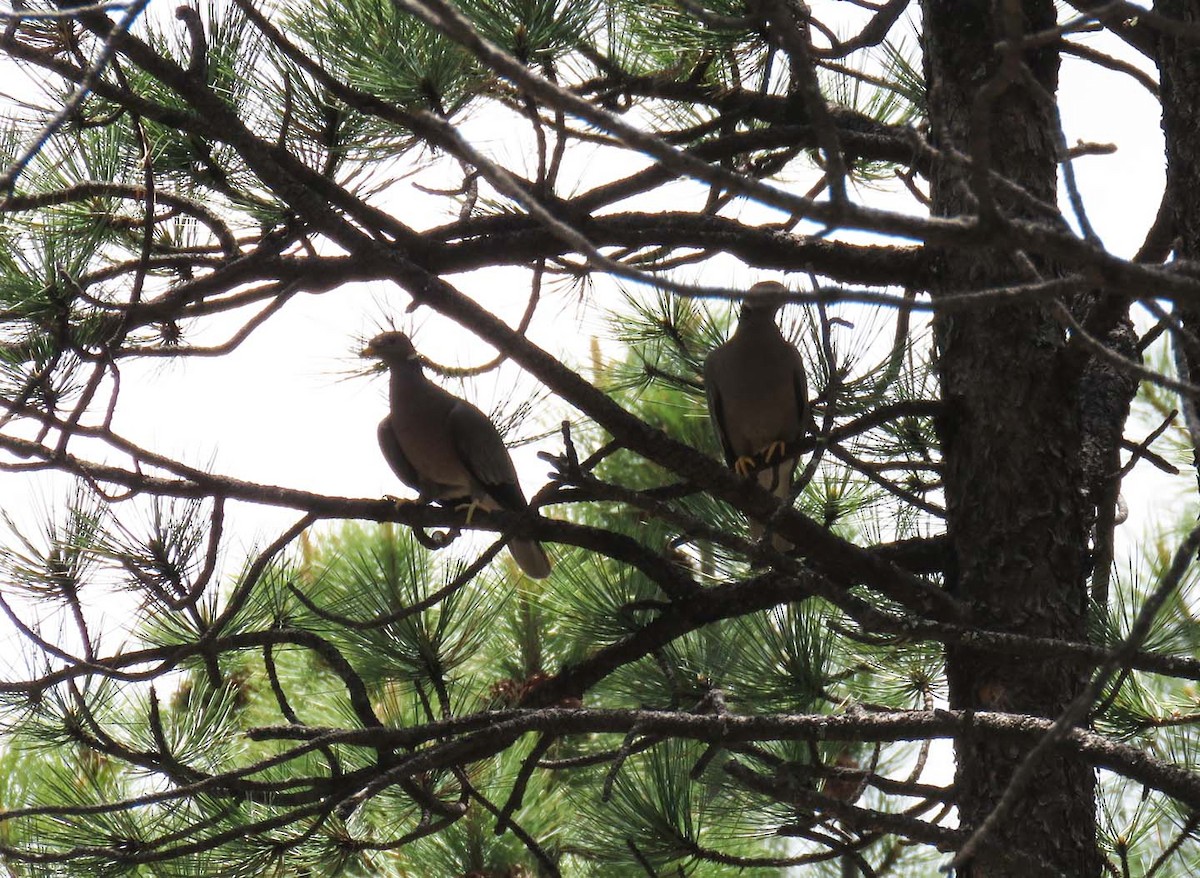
(758, 395)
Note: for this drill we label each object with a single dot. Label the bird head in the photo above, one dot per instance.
(763, 299)
(394, 348)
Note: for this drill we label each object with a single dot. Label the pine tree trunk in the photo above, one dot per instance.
(1179, 73)
(1011, 435)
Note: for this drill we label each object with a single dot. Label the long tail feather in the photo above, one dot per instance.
(530, 557)
(778, 480)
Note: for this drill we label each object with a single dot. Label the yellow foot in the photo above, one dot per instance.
(470, 507)
(403, 501)
(743, 466)
(774, 451)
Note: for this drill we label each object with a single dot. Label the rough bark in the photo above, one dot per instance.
(1011, 433)
(1179, 74)
(1106, 391)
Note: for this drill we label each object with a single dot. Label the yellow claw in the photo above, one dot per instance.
(470, 507)
(774, 450)
(402, 501)
(743, 466)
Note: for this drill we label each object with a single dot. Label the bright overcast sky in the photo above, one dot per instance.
(278, 411)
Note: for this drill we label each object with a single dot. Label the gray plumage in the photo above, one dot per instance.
(445, 447)
(758, 395)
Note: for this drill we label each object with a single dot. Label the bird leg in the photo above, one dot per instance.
(470, 507)
(744, 465)
(748, 463)
(774, 451)
(404, 501)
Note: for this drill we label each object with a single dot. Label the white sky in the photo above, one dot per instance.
(277, 412)
(281, 411)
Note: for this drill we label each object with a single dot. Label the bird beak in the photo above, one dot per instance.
(368, 351)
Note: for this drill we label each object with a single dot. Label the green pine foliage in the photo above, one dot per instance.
(369, 607)
(232, 726)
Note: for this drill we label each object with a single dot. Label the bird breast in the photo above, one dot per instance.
(762, 404)
(423, 439)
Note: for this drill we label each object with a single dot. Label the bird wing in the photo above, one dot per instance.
(716, 411)
(483, 454)
(392, 453)
(800, 389)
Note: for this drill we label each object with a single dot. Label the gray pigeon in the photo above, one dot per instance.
(446, 448)
(758, 396)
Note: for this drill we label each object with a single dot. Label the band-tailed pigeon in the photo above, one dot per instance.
(758, 396)
(446, 448)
